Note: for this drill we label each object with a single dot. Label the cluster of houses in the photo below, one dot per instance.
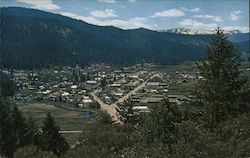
(123, 82)
(73, 85)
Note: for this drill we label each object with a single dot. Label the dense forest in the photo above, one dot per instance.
(31, 39)
(215, 123)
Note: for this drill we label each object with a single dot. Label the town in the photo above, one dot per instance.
(101, 85)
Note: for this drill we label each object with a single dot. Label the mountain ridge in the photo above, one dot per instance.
(32, 39)
(197, 32)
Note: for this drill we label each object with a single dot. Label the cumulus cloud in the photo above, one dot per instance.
(193, 24)
(211, 17)
(131, 1)
(107, 1)
(132, 23)
(169, 13)
(103, 13)
(194, 10)
(41, 4)
(235, 15)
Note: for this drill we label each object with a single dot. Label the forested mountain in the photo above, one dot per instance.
(32, 38)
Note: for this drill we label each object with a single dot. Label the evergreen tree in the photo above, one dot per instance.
(127, 114)
(52, 140)
(7, 139)
(103, 83)
(104, 117)
(221, 88)
(21, 129)
(160, 125)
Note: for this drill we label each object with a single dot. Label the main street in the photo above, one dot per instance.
(112, 108)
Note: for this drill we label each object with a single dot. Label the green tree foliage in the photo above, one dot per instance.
(7, 139)
(15, 130)
(104, 83)
(21, 128)
(103, 117)
(103, 140)
(31, 151)
(127, 114)
(229, 139)
(6, 86)
(221, 88)
(52, 140)
(159, 126)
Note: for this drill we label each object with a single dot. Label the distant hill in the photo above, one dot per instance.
(32, 38)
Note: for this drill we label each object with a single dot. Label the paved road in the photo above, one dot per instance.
(111, 109)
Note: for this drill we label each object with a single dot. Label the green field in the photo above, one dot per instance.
(174, 68)
(245, 65)
(181, 88)
(67, 120)
(187, 67)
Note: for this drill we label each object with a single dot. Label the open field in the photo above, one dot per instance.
(187, 67)
(67, 120)
(181, 88)
(174, 68)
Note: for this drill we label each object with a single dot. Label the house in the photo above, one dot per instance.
(91, 82)
(141, 108)
(115, 85)
(153, 83)
(119, 94)
(86, 100)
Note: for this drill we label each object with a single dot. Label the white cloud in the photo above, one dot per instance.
(103, 13)
(41, 4)
(193, 24)
(211, 17)
(132, 23)
(184, 9)
(131, 1)
(107, 1)
(194, 10)
(235, 15)
(87, 19)
(169, 13)
(243, 29)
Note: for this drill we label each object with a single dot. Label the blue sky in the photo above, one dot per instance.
(151, 14)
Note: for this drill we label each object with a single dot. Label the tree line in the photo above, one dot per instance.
(17, 131)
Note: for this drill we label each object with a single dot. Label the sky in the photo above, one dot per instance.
(150, 14)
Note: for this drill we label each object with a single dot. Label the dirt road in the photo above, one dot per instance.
(111, 109)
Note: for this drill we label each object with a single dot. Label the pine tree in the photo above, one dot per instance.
(52, 140)
(160, 125)
(7, 139)
(103, 83)
(20, 128)
(127, 114)
(221, 86)
(15, 130)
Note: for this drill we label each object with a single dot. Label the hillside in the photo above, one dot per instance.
(31, 39)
